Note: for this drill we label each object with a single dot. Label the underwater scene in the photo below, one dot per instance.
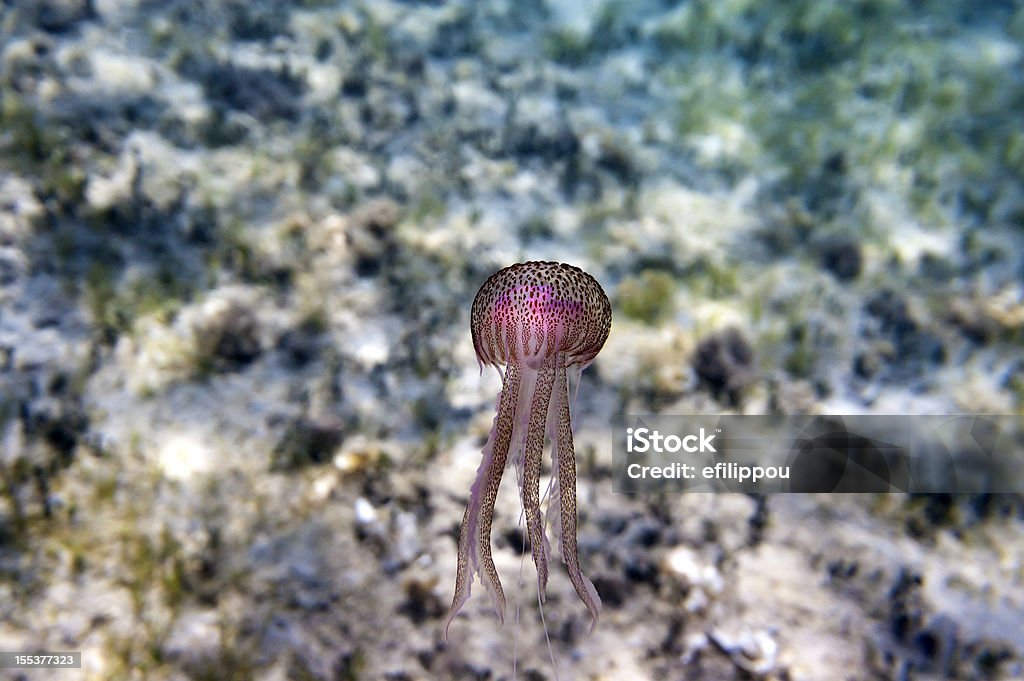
(329, 329)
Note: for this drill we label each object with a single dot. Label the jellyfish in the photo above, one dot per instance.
(545, 322)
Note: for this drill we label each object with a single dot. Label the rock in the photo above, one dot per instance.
(303, 344)
(257, 20)
(892, 313)
(969, 316)
(615, 592)
(421, 600)
(20, 210)
(842, 257)
(60, 16)
(361, 455)
(752, 651)
(537, 127)
(454, 36)
(194, 640)
(12, 265)
(265, 94)
(227, 335)
(866, 365)
(701, 580)
(370, 236)
(914, 348)
(307, 442)
(182, 457)
(724, 364)
(641, 570)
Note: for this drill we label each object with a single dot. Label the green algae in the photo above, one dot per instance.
(784, 88)
(715, 280)
(26, 137)
(428, 205)
(115, 305)
(567, 46)
(646, 297)
(41, 149)
(801, 361)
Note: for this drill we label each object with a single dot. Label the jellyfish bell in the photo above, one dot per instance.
(536, 312)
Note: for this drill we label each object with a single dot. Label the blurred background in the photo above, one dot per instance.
(239, 406)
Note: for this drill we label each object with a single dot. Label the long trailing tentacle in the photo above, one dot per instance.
(564, 457)
(551, 516)
(530, 490)
(551, 494)
(475, 535)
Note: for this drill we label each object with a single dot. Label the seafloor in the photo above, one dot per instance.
(239, 406)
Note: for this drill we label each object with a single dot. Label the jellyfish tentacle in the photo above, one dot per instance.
(501, 429)
(474, 553)
(551, 493)
(530, 491)
(521, 427)
(564, 456)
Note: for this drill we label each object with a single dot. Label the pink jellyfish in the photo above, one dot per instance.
(545, 321)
